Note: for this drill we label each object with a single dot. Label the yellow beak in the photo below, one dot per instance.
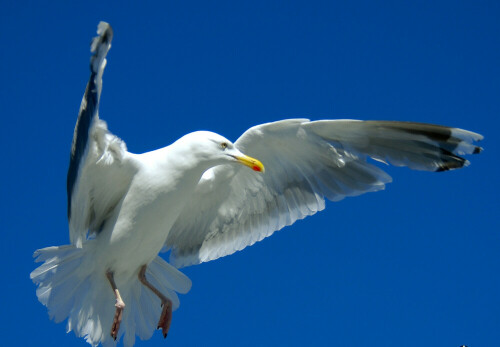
(252, 163)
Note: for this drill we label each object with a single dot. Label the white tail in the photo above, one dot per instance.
(71, 289)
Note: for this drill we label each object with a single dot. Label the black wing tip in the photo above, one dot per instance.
(456, 163)
(451, 141)
(442, 169)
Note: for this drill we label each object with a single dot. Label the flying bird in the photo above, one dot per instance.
(203, 197)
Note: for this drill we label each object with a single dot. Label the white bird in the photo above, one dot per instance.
(192, 198)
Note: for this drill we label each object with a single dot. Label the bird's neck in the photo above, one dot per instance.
(179, 163)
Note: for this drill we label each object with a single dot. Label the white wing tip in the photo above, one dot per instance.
(100, 46)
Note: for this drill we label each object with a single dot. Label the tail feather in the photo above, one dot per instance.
(73, 290)
(150, 304)
(63, 303)
(141, 324)
(174, 278)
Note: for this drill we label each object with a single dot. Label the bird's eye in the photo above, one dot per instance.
(223, 145)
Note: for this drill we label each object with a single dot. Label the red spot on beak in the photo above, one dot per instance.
(256, 168)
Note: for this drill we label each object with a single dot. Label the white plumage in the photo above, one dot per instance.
(192, 198)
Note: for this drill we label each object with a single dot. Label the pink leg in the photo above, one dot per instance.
(166, 303)
(120, 305)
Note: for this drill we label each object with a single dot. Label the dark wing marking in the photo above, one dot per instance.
(306, 163)
(89, 107)
(99, 171)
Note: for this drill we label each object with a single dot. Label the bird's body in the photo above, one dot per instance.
(194, 198)
(141, 221)
(130, 229)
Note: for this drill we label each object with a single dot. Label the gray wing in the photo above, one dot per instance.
(96, 178)
(305, 163)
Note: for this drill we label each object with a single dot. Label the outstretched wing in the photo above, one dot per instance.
(305, 163)
(97, 178)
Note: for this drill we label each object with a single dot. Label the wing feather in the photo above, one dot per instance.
(97, 175)
(305, 162)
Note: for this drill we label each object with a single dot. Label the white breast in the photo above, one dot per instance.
(138, 229)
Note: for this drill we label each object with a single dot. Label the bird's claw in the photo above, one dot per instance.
(165, 318)
(120, 305)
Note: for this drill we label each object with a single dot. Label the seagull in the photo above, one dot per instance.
(201, 198)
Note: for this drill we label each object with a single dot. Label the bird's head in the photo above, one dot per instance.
(213, 149)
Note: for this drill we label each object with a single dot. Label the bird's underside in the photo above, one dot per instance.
(195, 199)
(166, 303)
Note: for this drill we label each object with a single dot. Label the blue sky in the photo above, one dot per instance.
(416, 264)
